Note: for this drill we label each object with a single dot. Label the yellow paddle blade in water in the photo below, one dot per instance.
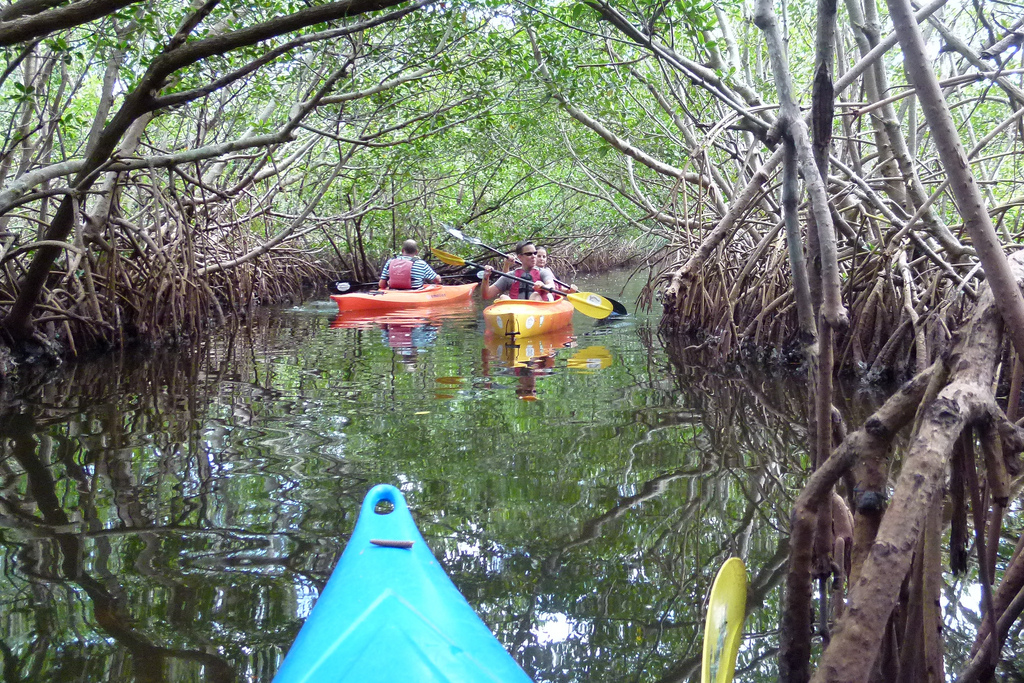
(723, 629)
(590, 359)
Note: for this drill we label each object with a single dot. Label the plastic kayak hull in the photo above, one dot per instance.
(390, 613)
(521, 318)
(393, 299)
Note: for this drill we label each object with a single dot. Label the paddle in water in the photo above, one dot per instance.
(587, 303)
(723, 628)
(617, 308)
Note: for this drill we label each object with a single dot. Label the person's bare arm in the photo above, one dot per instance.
(489, 291)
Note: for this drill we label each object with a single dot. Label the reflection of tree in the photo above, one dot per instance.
(591, 531)
(108, 602)
(632, 574)
(214, 486)
(668, 554)
(110, 487)
(200, 509)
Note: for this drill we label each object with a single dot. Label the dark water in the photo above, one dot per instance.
(172, 516)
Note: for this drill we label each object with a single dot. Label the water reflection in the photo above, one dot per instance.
(590, 359)
(407, 332)
(172, 517)
(527, 359)
(424, 315)
(511, 352)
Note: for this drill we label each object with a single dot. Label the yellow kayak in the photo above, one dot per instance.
(523, 318)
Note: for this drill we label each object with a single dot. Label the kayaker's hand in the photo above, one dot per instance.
(573, 288)
(539, 286)
(510, 262)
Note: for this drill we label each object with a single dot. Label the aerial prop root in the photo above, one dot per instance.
(941, 409)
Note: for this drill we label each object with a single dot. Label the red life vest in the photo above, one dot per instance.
(400, 273)
(514, 290)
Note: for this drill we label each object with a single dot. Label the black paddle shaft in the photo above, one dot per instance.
(472, 264)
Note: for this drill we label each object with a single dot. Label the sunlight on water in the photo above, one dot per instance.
(552, 628)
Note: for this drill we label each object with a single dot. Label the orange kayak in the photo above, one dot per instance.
(392, 299)
(523, 318)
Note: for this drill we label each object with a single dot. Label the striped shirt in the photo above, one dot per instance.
(421, 271)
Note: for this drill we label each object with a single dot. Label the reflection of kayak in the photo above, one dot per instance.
(406, 329)
(516, 352)
(590, 359)
(522, 318)
(723, 628)
(390, 613)
(406, 339)
(390, 299)
(423, 315)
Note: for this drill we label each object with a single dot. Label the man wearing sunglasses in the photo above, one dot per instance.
(542, 278)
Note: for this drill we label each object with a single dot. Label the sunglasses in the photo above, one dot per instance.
(529, 253)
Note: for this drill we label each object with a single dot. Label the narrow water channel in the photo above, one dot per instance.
(172, 516)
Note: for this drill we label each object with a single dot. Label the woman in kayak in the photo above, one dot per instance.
(542, 263)
(407, 271)
(542, 257)
(543, 279)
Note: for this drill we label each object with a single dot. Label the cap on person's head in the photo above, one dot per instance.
(521, 246)
(410, 247)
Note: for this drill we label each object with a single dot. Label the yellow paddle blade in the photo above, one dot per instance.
(723, 629)
(588, 303)
(445, 257)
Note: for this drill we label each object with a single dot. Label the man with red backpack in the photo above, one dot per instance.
(407, 271)
(543, 279)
